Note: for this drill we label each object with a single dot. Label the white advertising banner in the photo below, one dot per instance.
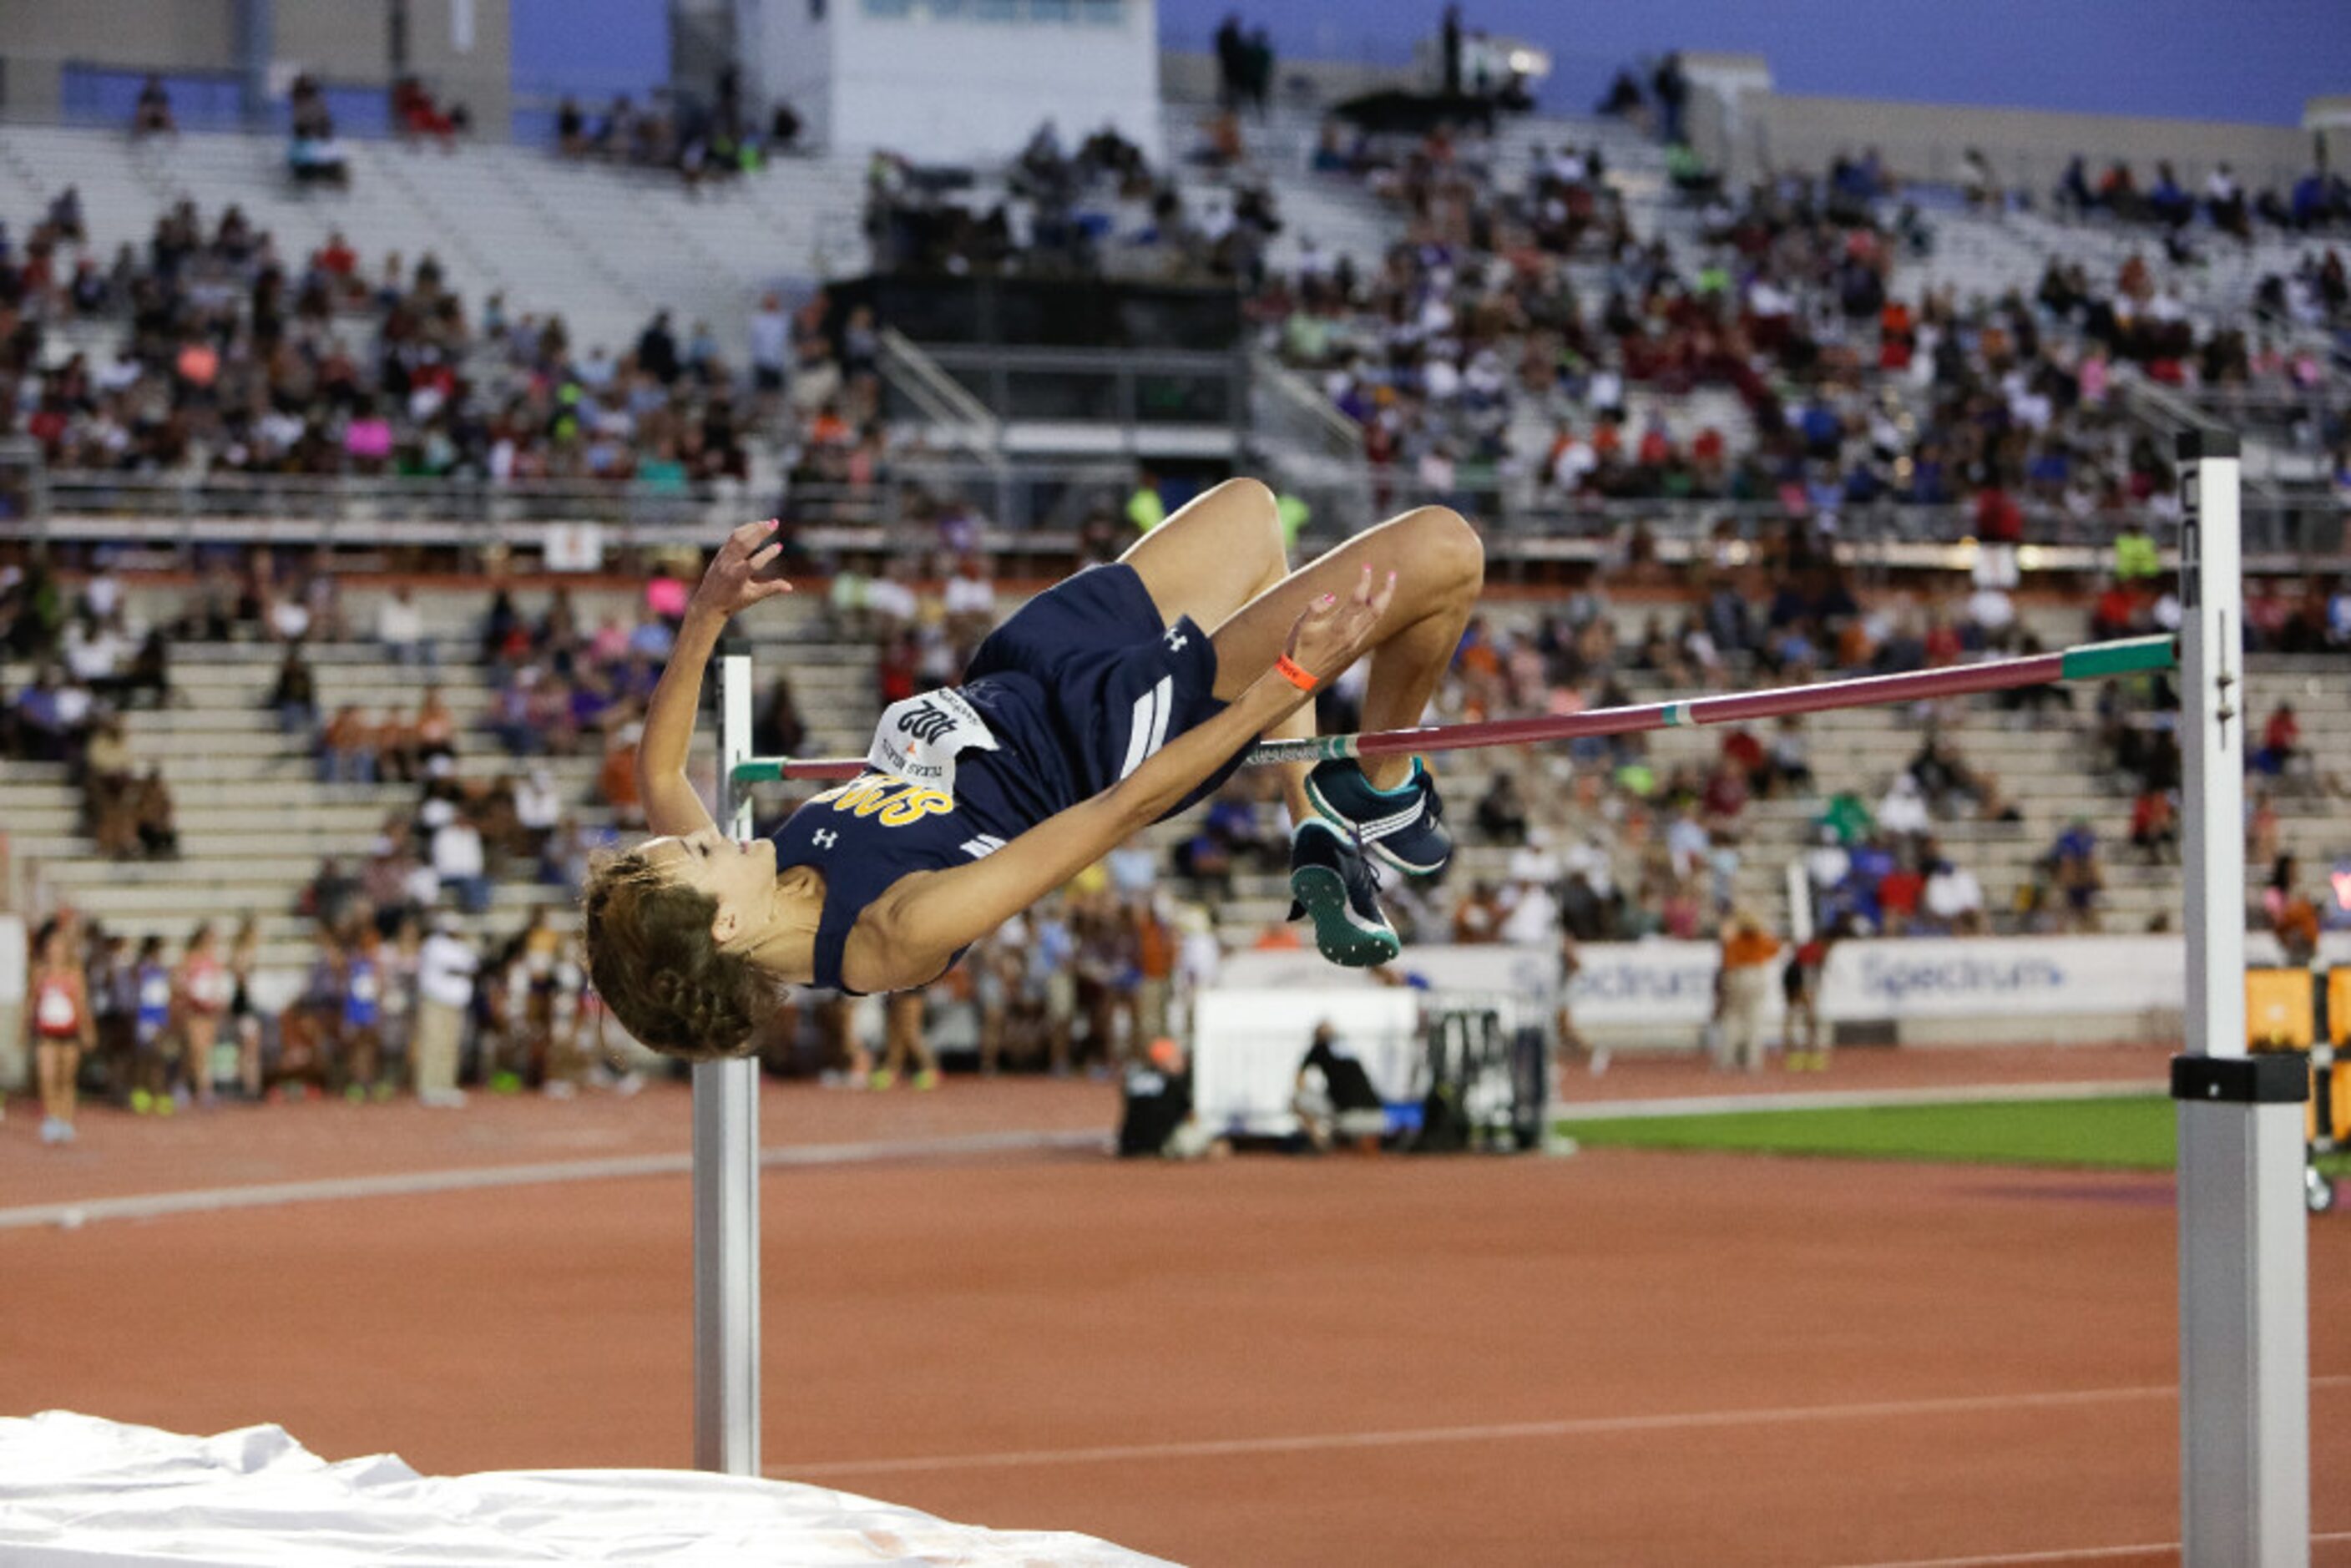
(1248, 1044)
(1671, 984)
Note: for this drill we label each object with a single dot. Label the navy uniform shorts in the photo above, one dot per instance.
(1085, 683)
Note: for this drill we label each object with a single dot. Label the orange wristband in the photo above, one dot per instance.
(1296, 673)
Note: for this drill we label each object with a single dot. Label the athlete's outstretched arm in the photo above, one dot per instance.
(918, 929)
(672, 806)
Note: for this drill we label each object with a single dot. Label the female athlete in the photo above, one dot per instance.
(1100, 707)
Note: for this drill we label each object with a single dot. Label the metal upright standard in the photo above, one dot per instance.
(2244, 1313)
(726, 1184)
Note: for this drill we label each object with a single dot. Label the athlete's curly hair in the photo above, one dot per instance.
(655, 964)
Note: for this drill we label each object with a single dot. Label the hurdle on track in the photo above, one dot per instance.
(2244, 1327)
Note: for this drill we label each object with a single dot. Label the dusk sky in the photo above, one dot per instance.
(2203, 59)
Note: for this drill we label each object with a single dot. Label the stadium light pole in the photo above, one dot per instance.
(726, 1182)
(2244, 1307)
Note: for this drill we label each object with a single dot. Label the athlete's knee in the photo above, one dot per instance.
(1446, 550)
(1244, 492)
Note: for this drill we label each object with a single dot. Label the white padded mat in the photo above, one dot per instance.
(79, 1492)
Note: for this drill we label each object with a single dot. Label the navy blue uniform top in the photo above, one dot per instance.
(1077, 690)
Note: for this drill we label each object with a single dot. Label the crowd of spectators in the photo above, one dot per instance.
(700, 142)
(2318, 201)
(235, 359)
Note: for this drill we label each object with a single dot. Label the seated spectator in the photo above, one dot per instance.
(400, 629)
(1903, 811)
(1953, 900)
(2155, 827)
(1500, 814)
(1789, 767)
(2296, 924)
(153, 116)
(434, 731)
(347, 747)
(2281, 746)
(969, 601)
(616, 780)
(314, 156)
(1477, 919)
(2078, 878)
(1900, 891)
(294, 694)
(459, 860)
(414, 114)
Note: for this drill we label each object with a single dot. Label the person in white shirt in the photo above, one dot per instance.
(970, 598)
(400, 628)
(539, 804)
(459, 864)
(771, 346)
(1954, 898)
(444, 989)
(1903, 812)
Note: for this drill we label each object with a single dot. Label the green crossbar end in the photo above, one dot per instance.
(2130, 656)
(760, 769)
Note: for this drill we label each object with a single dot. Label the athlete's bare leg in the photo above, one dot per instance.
(1440, 567)
(1218, 552)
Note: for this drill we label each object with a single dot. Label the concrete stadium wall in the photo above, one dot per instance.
(2027, 147)
(38, 37)
(346, 43)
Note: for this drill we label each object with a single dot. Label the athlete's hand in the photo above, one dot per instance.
(733, 582)
(1334, 632)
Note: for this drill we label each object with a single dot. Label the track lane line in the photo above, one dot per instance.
(1579, 1427)
(2066, 1554)
(470, 1179)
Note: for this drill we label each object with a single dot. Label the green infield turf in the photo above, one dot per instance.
(2114, 1134)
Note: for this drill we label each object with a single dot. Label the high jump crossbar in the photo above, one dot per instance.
(2244, 1328)
(2091, 662)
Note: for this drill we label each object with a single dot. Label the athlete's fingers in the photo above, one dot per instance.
(750, 531)
(760, 558)
(768, 590)
(1385, 597)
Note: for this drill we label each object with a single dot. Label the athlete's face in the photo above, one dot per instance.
(741, 876)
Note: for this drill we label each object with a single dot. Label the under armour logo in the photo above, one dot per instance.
(1177, 641)
(824, 838)
(925, 723)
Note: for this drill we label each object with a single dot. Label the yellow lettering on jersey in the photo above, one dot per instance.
(893, 803)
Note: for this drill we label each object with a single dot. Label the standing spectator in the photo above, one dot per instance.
(360, 1034)
(200, 998)
(771, 347)
(1800, 985)
(1747, 953)
(459, 860)
(243, 1017)
(152, 117)
(62, 1026)
(657, 350)
(904, 1039)
(445, 994)
(150, 1029)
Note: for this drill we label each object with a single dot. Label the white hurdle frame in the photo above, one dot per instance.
(2244, 1339)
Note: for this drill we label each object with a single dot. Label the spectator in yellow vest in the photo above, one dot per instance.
(1144, 510)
